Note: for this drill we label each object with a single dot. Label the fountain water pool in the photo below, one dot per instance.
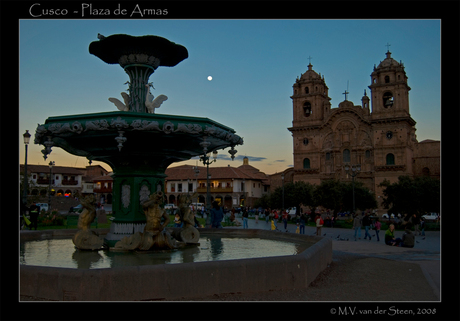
(184, 280)
(61, 252)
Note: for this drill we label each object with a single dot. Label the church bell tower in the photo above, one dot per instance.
(389, 89)
(310, 99)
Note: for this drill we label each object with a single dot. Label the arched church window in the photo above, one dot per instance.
(387, 79)
(328, 156)
(307, 109)
(305, 141)
(425, 171)
(368, 153)
(388, 99)
(346, 156)
(390, 159)
(306, 163)
(306, 90)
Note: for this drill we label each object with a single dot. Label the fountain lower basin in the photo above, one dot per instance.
(182, 280)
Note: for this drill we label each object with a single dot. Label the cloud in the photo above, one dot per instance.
(226, 156)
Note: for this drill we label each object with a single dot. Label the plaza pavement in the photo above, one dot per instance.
(426, 252)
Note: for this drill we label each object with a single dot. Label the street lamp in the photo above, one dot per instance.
(197, 172)
(51, 164)
(25, 183)
(282, 178)
(206, 159)
(355, 170)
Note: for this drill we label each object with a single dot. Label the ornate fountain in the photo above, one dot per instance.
(135, 141)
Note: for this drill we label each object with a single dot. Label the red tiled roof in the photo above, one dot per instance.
(31, 168)
(185, 172)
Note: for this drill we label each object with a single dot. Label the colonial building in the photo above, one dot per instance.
(65, 181)
(230, 186)
(379, 134)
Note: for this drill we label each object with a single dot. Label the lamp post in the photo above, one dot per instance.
(206, 159)
(25, 182)
(282, 179)
(51, 164)
(197, 172)
(353, 171)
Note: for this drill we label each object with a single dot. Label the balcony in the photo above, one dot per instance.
(69, 182)
(215, 189)
(102, 190)
(44, 181)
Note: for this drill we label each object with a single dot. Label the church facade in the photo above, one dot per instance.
(378, 135)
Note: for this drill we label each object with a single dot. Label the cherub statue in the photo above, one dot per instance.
(85, 239)
(189, 233)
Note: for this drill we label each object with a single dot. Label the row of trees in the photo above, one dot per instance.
(331, 194)
(407, 196)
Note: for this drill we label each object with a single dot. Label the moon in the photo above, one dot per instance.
(209, 78)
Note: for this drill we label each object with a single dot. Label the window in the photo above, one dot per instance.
(425, 171)
(173, 187)
(328, 156)
(346, 156)
(190, 187)
(306, 163)
(387, 99)
(387, 79)
(390, 159)
(306, 90)
(305, 141)
(179, 187)
(368, 153)
(307, 109)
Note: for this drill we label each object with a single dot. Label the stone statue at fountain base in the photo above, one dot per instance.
(85, 239)
(154, 237)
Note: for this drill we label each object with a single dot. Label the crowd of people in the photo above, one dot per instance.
(279, 219)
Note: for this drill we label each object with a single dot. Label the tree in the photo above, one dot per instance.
(337, 196)
(329, 194)
(295, 194)
(412, 195)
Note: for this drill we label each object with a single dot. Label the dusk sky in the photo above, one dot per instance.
(253, 65)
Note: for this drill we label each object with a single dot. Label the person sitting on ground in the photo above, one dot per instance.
(390, 238)
(408, 239)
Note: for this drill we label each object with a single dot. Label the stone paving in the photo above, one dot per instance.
(426, 252)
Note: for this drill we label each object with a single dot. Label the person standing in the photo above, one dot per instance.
(422, 226)
(357, 225)
(34, 211)
(377, 225)
(303, 219)
(285, 219)
(217, 215)
(366, 224)
(319, 224)
(416, 223)
(245, 218)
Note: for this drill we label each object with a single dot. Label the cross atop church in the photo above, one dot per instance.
(309, 60)
(346, 92)
(388, 46)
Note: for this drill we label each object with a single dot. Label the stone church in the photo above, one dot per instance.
(379, 134)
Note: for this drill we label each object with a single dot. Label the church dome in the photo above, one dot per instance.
(310, 73)
(388, 62)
